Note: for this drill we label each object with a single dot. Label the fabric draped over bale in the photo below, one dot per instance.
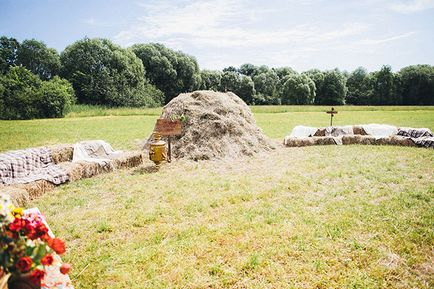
(371, 134)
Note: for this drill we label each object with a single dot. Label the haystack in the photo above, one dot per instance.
(217, 125)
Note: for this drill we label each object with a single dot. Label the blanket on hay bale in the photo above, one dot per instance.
(370, 134)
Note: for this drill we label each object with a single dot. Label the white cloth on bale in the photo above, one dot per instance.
(95, 151)
(380, 130)
(301, 131)
(337, 132)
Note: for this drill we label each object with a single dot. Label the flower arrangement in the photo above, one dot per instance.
(27, 245)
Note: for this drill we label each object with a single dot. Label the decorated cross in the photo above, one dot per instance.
(332, 112)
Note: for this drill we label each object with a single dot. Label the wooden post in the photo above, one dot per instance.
(332, 112)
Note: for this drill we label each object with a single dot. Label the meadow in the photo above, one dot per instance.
(313, 217)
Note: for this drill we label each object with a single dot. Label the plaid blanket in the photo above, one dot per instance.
(414, 132)
(25, 166)
(423, 137)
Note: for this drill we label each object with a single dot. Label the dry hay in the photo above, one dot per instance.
(219, 125)
(19, 196)
(129, 160)
(320, 132)
(308, 141)
(401, 141)
(83, 170)
(36, 188)
(61, 153)
(358, 130)
(358, 139)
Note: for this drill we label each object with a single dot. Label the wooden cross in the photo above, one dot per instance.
(332, 112)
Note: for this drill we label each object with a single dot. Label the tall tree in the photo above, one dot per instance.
(417, 84)
(40, 60)
(170, 71)
(332, 89)
(298, 89)
(210, 80)
(8, 53)
(359, 87)
(104, 73)
(384, 87)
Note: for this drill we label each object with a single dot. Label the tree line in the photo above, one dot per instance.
(37, 81)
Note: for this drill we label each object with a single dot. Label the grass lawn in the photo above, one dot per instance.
(312, 217)
(125, 128)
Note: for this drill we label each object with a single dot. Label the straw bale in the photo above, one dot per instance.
(19, 196)
(36, 188)
(358, 139)
(358, 130)
(320, 132)
(82, 170)
(298, 142)
(61, 153)
(129, 160)
(324, 140)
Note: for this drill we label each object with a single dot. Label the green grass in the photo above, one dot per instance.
(124, 128)
(312, 217)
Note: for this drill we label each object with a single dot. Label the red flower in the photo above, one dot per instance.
(40, 231)
(37, 275)
(57, 245)
(24, 264)
(17, 225)
(47, 260)
(64, 268)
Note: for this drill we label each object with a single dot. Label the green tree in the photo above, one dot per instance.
(298, 89)
(249, 69)
(172, 72)
(332, 89)
(210, 80)
(8, 53)
(384, 87)
(40, 60)
(266, 84)
(104, 73)
(359, 87)
(24, 96)
(242, 86)
(417, 84)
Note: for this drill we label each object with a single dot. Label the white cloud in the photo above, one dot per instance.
(412, 6)
(94, 22)
(224, 23)
(387, 39)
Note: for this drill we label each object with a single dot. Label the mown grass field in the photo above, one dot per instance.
(312, 217)
(125, 128)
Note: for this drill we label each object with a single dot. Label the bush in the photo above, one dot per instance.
(24, 96)
(56, 98)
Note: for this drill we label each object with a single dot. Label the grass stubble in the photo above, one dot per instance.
(314, 217)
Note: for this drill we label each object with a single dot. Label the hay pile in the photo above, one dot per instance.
(308, 141)
(219, 125)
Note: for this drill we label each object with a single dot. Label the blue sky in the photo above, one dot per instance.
(303, 34)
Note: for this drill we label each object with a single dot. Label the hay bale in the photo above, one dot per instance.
(83, 170)
(36, 188)
(129, 160)
(401, 141)
(358, 139)
(358, 130)
(298, 142)
(19, 196)
(219, 125)
(324, 140)
(61, 153)
(320, 132)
